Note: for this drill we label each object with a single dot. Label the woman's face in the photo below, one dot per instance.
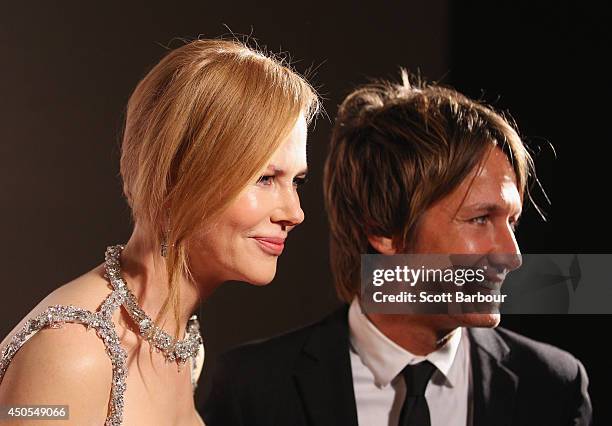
(246, 242)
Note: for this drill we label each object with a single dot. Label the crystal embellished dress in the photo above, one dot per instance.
(190, 349)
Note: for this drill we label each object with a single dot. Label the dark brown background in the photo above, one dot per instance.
(67, 70)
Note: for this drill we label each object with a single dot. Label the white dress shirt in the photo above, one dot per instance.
(377, 361)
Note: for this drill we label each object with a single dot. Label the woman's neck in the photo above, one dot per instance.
(144, 270)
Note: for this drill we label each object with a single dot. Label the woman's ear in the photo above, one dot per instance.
(383, 245)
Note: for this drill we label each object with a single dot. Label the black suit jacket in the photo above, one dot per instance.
(304, 378)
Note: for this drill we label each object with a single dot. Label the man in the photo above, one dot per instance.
(410, 170)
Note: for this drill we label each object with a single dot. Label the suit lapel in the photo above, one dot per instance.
(323, 374)
(324, 381)
(494, 385)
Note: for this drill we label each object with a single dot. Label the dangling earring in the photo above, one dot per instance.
(164, 244)
(164, 248)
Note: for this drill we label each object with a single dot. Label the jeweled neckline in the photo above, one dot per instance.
(174, 350)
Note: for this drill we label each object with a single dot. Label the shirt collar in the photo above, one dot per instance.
(386, 359)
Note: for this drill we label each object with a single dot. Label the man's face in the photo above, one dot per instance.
(477, 218)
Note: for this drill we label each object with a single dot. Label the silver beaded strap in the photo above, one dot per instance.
(101, 321)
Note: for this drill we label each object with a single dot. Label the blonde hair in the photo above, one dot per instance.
(200, 126)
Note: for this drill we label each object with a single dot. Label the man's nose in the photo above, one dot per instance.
(506, 254)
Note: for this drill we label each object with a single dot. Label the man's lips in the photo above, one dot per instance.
(271, 245)
(491, 282)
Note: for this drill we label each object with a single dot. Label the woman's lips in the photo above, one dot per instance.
(271, 245)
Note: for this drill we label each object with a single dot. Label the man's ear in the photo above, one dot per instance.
(383, 245)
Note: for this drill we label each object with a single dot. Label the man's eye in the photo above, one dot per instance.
(265, 180)
(480, 220)
(299, 181)
(514, 224)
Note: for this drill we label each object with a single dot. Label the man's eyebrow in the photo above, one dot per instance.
(488, 207)
(281, 172)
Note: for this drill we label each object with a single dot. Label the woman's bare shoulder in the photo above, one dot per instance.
(67, 365)
(64, 366)
(87, 291)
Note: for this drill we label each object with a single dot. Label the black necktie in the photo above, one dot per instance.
(415, 411)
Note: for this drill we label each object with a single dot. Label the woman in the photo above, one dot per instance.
(213, 151)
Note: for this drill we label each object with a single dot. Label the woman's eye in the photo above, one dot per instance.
(299, 181)
(480, 220)
(265, 180)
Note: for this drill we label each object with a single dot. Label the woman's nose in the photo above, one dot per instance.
(289, 212)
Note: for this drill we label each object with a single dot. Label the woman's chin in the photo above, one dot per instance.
(260, 278)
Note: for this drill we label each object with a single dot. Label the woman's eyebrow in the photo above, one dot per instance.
(280, 172)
